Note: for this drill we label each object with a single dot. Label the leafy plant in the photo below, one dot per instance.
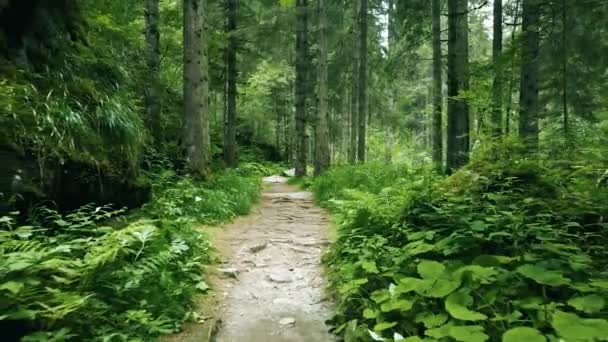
(492, 252)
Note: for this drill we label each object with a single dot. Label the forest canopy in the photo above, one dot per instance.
(461, 146)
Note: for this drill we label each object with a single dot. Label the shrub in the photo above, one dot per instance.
(493, 252)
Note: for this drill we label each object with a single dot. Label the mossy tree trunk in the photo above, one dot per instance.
(437, 86)
(362, 80)
(153, 89)
(496, 122)
(458, 82)
(196, 88)
(354, 96)
(301, 86)
(322, 157)
(529, 78)
(230, 9)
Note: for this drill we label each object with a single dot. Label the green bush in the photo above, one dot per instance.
(496, 251)
(72, 278)
(76, 277)
(223, 197)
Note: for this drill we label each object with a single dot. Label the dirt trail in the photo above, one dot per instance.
(270, 286)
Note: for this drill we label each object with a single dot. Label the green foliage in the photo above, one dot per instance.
(74, 277)
(223, 197)
(500, 250)
(71, 277)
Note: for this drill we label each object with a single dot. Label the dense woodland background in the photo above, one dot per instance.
(467, 142)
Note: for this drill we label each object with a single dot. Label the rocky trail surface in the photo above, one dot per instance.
(269, 286)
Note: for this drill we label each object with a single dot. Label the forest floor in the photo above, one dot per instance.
(269, 284)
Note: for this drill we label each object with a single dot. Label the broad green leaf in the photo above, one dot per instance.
(380, 296)
(384, 325)
(440, 332)
(588, 304)
(418, 247)
(370, 313)
(492, 260)
(12, 286)
(202, 286)
(468, 333)
(431, 320)
(397, 304)
(438, 288)
(429, 269)
(574, 329)
(542, 275)
(370, 266)
(407, 285)
(521, 334)
(484, 275)
(375, 336)
(352, 285)
(456, 304)
(411, 339)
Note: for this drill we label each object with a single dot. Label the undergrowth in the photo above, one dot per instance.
(510, 250)
(97, 275)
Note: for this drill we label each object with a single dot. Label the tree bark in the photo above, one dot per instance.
(529, 80)
(458, 82)
(196, 88)
(362, 79)
(322, 157)
(354, 99)
(230, 9)
(565, 70)
(301, 86)
(153, 90)
(437, 84)
(496, 122)
(388, 148)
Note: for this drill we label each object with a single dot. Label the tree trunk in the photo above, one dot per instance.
(301, 86)
(354, 97)
(322, 157)
(388, 149)
(153, 90)
(496, 122)
(565, 71)
(458, 82)
(511, 72)
(362, 79)
(230, 8)
(437, 84)
(528, 94)
(196, 88)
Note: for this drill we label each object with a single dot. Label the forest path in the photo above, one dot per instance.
(270, 286)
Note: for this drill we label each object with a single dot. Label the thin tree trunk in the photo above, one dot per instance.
(496, 122)
(529, 81)
(230, 8)
(362, 79)
(322, 130)
(565, 71)
(511, 72)
(388, 150)
(154, 89)
(196, 88)
(437, 84)
(458, 82)
(354, 104)
(301, 86)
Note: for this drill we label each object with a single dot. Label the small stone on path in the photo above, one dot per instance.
(231, 272)
(280, 278)
(258, 247)
(287, 321)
